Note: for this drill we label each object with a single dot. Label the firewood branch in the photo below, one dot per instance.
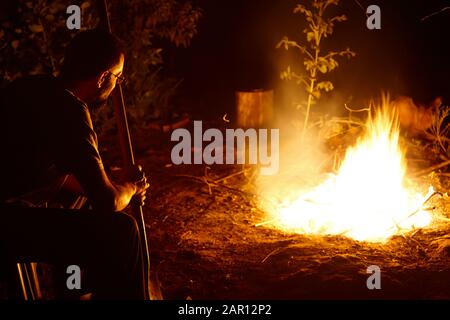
(431, 169)
(434, 13)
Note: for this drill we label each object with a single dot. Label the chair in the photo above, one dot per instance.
(29, 281)
(22, 279)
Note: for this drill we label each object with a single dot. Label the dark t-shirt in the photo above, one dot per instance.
(46, 133)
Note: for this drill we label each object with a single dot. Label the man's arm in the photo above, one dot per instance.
(77, 153)
(107, 195)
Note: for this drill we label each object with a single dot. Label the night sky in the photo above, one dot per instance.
(235, 50)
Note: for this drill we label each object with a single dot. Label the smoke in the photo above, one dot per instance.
(303, 158)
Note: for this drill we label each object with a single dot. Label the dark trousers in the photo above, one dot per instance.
(106, 245)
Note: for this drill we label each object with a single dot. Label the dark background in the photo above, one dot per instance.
(235, 50)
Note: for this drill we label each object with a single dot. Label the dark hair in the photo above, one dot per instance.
(90, 53)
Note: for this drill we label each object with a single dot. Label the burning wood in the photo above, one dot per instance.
(369, 198)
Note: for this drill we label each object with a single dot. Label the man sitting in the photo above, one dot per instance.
(49, 145)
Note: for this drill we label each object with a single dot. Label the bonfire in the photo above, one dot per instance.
(369, 198)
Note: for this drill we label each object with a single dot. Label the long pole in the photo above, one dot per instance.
(152, 289)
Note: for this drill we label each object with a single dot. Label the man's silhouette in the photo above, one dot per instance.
(49, 146)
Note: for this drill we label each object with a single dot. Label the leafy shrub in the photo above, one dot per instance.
(33, 35)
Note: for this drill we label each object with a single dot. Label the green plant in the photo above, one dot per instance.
(318, 27)
(33, 36)
(146, 27)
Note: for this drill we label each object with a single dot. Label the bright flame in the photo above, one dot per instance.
(367, 199)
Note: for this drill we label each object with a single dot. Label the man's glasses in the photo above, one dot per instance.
(120, 79)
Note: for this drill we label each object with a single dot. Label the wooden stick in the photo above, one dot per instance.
(430, 169)
(153, 291)
(434, 13)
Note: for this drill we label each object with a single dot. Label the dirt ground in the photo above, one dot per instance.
(204, 243)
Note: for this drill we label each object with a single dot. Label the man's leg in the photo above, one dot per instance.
(107, 245)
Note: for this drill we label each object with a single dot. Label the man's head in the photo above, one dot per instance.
(92, 65)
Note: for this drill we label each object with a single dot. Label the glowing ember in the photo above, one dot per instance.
(368, 198)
